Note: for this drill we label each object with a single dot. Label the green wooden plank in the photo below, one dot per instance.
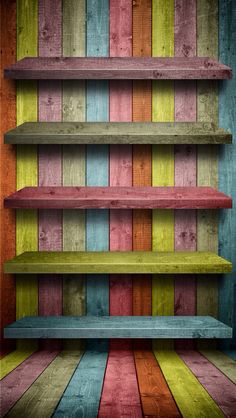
(118, 327)
(74, 131)
(117, 262)
(42, 397)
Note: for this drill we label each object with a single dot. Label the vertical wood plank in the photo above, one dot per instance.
(97, 158)
(142, 154)
(8, 161)
(162, 156)
(185, 157)
(207, 161)
(227, 170)
(26, 166)
(50, 221)
(74, 155)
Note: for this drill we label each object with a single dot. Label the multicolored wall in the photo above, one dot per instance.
(118, 28)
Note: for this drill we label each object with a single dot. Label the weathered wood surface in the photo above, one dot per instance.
(177, 68)
(13, 359)
(18, 382)
(212, 380)
(117, 262)
(117, 132)
(7, 165)
(82, 395)
(224, 363)
(119, 197)
(43, 396)
(191, 398)
(227, 170)
(156, 398)
(118, 327)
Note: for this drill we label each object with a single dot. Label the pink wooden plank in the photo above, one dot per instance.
(185, 156)
(50, 222)
(15, 384)
(124, 197)
(219, 387)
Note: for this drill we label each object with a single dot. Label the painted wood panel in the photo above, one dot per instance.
(26, 166)
(118, 327)
(224, 363)
(227, 167)
(7, 165)
(119, 262)
(74, 109)
(43, 396)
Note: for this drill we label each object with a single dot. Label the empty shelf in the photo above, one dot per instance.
(137, 262)
(117, 133)
(118, 198)
(118, 327)
(176, 68)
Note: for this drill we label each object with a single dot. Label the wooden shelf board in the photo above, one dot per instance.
(117, 133)
(118, 327)
(118, 198)
(176, 68)
(136, 262)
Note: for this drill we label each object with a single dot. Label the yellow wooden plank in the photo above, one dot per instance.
(12, 360)
(162, 156)
(192, 399)
(26, 167)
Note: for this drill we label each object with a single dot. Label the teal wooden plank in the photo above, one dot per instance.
(227, 170)
(118, 327)
(97, 160)
(82, 396)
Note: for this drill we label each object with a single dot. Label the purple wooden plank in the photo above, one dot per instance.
(69, 197)
(185, 156)
(219, 387)
(177, 68)
(50, 223)
(15, 384)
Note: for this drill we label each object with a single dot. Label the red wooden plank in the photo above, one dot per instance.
(15, 384)
(50, 223)
(185, 156)
(178, 68)
(120, 197)
(219, 387)
(7, 169)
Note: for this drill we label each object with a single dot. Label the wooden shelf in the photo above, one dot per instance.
(177, 68)
(136, 262)
(118, 198)
(118, 327)
(117, 133)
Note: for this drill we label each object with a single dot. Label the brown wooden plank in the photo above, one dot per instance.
(177, 68)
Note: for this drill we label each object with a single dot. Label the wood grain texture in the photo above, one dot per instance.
(207, 162)
(26, 166)
(18, 382)
(227, 225)
(118, 327)
(156, 398)
(120, 68)
(82, 395)
(118, 262)
(185, 156)
(190, 396)
(74, 109)
(123, 197)
(43, 396)
(8, 161)
(115, 132)
(13, 359)
(97, 158)
(208, 375)
(49, 158)
(224, 363)
(142, 171)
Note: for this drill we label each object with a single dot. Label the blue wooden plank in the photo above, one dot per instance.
(118, 327)
(97, 159)
(82, 396)
(227, 169)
